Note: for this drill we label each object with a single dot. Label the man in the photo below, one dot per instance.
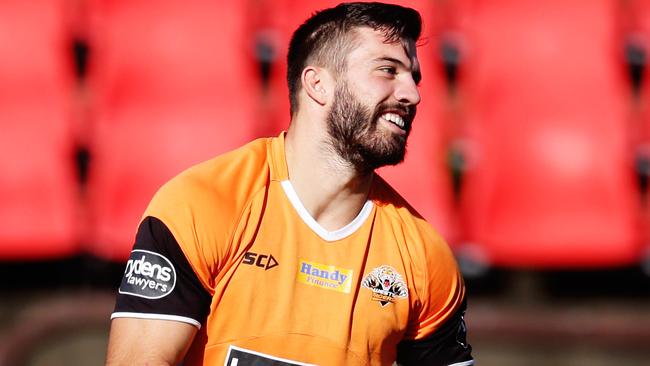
(290, 250)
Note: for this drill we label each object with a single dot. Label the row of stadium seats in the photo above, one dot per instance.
(542, 113)
(547, 136)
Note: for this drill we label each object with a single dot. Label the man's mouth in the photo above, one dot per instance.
(396, 119)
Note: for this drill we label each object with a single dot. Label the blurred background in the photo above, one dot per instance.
(530, 154)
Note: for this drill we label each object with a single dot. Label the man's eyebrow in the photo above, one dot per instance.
(390, 59)
(417, 75)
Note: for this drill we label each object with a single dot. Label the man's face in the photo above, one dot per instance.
(374, 102)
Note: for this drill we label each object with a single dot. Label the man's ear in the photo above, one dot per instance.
(317, 84)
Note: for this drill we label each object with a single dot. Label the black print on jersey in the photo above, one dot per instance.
(265, 261)
(243, 357)
(149, 275)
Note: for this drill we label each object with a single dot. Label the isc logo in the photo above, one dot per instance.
(260, 260)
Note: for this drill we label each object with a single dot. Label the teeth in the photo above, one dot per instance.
(395, 118)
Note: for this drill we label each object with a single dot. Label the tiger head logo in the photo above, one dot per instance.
(386, 284)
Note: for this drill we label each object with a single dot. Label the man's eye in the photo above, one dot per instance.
(389, 70)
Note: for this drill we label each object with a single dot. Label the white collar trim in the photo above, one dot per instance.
(339, 234)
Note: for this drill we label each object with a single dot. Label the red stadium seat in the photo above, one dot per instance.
(38, 188)
(550, 177)
(174, 83)
(422, 179)
(636, 21)
(638, 31)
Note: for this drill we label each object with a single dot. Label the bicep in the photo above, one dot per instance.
(148, 341)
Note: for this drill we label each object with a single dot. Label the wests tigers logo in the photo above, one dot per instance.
(386, 284)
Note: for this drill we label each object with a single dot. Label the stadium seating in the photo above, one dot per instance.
(550, 179)
(173, 83)
(636, 20)
(38, 189)
(638, 36)
(423, 178)
(637, 27)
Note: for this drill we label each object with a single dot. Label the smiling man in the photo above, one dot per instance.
(369, 128)
(291, 250)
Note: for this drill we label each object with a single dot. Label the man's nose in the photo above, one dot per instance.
(407, 92)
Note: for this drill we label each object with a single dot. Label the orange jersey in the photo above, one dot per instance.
(280, 286)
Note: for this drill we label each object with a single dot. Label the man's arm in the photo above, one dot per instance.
(448, 346)
(160, 305)
(148, 341)
(437, 335)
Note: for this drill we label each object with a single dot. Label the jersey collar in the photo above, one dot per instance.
(280, 173)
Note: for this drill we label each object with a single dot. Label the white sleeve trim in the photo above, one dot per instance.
(464, 363)
(177, 318)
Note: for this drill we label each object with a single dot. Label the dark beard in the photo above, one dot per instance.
(355, 137)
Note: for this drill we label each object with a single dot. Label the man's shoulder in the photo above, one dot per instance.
(390, 201)
(224, 182)
(230, 168)
(396, 209)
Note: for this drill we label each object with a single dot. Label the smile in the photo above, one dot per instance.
(396, 119)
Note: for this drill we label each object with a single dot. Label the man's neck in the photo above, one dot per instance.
(331, 189)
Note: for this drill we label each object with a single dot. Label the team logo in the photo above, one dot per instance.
(386, 284)
(149, 275)
(325, 276)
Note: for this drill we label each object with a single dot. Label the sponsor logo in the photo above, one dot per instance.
(149, 275)
(325, 276)
(386, 285)
(242, 357)
(265, 261)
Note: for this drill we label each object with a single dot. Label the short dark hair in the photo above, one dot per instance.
(324, 39)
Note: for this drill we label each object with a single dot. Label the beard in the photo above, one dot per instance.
(355, 134)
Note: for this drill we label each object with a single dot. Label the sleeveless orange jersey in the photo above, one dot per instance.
(283, 289)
